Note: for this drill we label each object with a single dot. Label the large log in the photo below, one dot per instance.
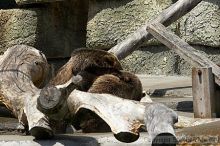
(166, 17)
(124, 117)
(22, 68)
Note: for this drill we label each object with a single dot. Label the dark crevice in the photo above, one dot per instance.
(11, 4)
(8, 4)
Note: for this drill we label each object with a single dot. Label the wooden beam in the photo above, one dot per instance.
(203, 93)
(166, 17)
(183, 49)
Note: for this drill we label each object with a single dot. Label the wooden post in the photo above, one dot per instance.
(217, 100)
(203, 92)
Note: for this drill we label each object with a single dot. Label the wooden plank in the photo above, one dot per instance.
(183, 49)
(166, 17)
(203, 92)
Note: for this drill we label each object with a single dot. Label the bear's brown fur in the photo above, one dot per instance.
(101, 73)
(82, 59)
(122, 84)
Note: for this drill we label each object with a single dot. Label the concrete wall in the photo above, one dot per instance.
(111, 21)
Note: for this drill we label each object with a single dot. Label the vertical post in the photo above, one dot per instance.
(217, 100)
(203, 90)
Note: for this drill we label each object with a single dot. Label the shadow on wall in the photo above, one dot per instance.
(61, 27)
(7, 4)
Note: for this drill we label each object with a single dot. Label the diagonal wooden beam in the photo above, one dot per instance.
(183, 49)
(166, 17)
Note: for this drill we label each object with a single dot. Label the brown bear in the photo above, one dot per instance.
(101, 73)
(122, 84)
(83, 59)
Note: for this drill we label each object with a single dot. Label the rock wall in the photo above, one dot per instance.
(55, 28)
(111, 21)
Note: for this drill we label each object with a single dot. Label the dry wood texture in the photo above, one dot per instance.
(124, 117)
(166, 17)
(203, 93)
(22, 68)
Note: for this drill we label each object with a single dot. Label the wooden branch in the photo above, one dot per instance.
(183, 49)
(166, 17)
(21, 68)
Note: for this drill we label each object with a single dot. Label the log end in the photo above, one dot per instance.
(50, 100)
(41, 133)
(164, 139)
(126, 137)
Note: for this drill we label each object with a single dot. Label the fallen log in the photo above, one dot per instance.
(166, 17)
(124, 117)
(22, 68)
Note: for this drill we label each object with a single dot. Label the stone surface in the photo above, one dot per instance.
(55, 28)
(14, 31)
(111, 21)
(22, 2)
(159, 60)
(202, 25)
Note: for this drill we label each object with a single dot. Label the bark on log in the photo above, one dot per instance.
(166, 17)
(22, 68)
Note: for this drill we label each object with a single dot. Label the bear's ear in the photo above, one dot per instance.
(110, 60)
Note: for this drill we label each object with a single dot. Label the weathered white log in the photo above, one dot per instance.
(124, 117)
(162, 121)
(166, 17)
(22, 68)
